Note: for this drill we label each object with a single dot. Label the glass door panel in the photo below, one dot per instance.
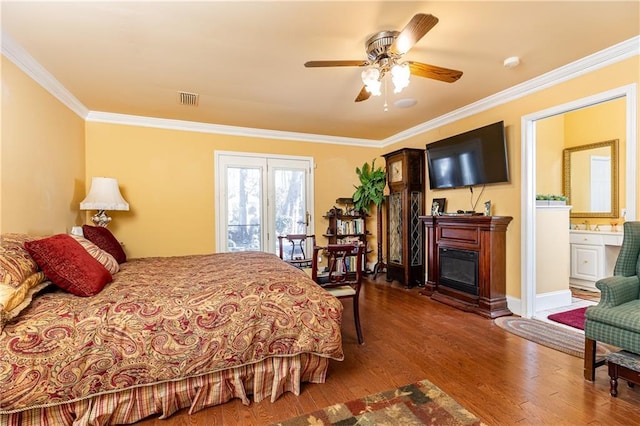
(290, 194)
(244, 200)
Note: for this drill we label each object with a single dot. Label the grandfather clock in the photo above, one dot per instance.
(405, 176)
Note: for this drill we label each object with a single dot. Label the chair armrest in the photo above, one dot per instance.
(617, 290)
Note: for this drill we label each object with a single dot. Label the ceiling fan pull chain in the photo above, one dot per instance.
(386, 106)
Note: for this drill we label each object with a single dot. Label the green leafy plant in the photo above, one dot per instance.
(551, 197)
(371, 188)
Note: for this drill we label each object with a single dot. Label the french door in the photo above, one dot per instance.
(259, 197)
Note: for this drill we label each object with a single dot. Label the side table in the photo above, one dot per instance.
(624, 365)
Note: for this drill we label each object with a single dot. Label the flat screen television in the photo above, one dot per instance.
(476, 157)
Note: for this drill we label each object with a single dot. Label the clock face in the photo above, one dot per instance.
(396, 171)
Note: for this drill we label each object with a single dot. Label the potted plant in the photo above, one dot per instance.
(371, 188)
(550, 200)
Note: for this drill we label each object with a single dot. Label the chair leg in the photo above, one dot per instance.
(589, 359)
(356, 316)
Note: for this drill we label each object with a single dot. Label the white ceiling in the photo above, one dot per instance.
(245, 59)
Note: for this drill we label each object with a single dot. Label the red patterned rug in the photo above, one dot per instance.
(573, 318)
(420, 403)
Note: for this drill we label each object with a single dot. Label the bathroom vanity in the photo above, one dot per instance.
(593, 256)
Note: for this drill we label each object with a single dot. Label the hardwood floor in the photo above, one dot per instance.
(501, 378)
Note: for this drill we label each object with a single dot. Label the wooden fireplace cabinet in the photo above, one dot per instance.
(405, 204)
(485, 235)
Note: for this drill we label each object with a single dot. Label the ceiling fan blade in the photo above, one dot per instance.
(313, 64)
(419, 25)
(437, 73)
(363, 95)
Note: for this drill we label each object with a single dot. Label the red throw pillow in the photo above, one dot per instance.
(68, 265)
(104, 239)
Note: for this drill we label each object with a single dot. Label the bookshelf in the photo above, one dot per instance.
(347, 227)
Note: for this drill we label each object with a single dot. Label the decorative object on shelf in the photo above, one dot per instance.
(348, 202)
(487, 208)
(438, 206)
(405, 256)
(344, 200)
(103, 195)
(550, 200)
(371, 190)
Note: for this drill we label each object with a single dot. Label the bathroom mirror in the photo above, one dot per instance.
(590, 179)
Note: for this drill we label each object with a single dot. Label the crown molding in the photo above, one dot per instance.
(601, 59)
(16, 54)
(192, 126)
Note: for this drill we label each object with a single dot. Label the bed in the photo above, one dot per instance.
(165, 334)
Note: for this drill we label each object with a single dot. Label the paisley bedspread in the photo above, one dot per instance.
(162, 320)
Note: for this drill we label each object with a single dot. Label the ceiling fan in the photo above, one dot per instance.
(384, 52)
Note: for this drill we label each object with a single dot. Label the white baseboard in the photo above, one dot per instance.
(515, 305)
(552, 300)
(544, 301)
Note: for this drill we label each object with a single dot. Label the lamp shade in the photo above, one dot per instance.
(104, 195)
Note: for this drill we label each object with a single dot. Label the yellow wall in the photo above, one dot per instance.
(552, 249)
(42, 172)
(549, 145)
(155, 165)
(167, 176)
(600, 123)
(506, 198)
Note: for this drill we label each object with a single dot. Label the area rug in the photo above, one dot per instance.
(553, 336)
(420, 403)
(573, 318)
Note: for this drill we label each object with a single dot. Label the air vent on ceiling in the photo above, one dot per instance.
(186, 98)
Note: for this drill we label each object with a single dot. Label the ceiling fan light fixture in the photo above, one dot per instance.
(400, 76)
(371, 79)
(384, 51)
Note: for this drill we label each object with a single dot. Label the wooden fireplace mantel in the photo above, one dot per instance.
(485, 235)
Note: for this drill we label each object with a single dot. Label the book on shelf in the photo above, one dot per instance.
(351, 226)
(348, 240)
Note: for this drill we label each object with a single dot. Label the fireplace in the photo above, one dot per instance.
(466, 260)
(459, 269)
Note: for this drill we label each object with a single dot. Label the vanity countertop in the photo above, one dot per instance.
(599, 238)
(584, 231)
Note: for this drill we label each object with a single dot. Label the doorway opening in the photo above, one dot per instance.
(528, 161)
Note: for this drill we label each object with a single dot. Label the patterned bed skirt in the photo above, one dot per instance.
(268, 378)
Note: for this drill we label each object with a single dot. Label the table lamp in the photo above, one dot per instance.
(103, 195)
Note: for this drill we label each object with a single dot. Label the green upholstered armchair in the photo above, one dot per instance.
(616, 319)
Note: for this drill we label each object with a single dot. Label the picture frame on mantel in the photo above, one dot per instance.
(438, 206)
